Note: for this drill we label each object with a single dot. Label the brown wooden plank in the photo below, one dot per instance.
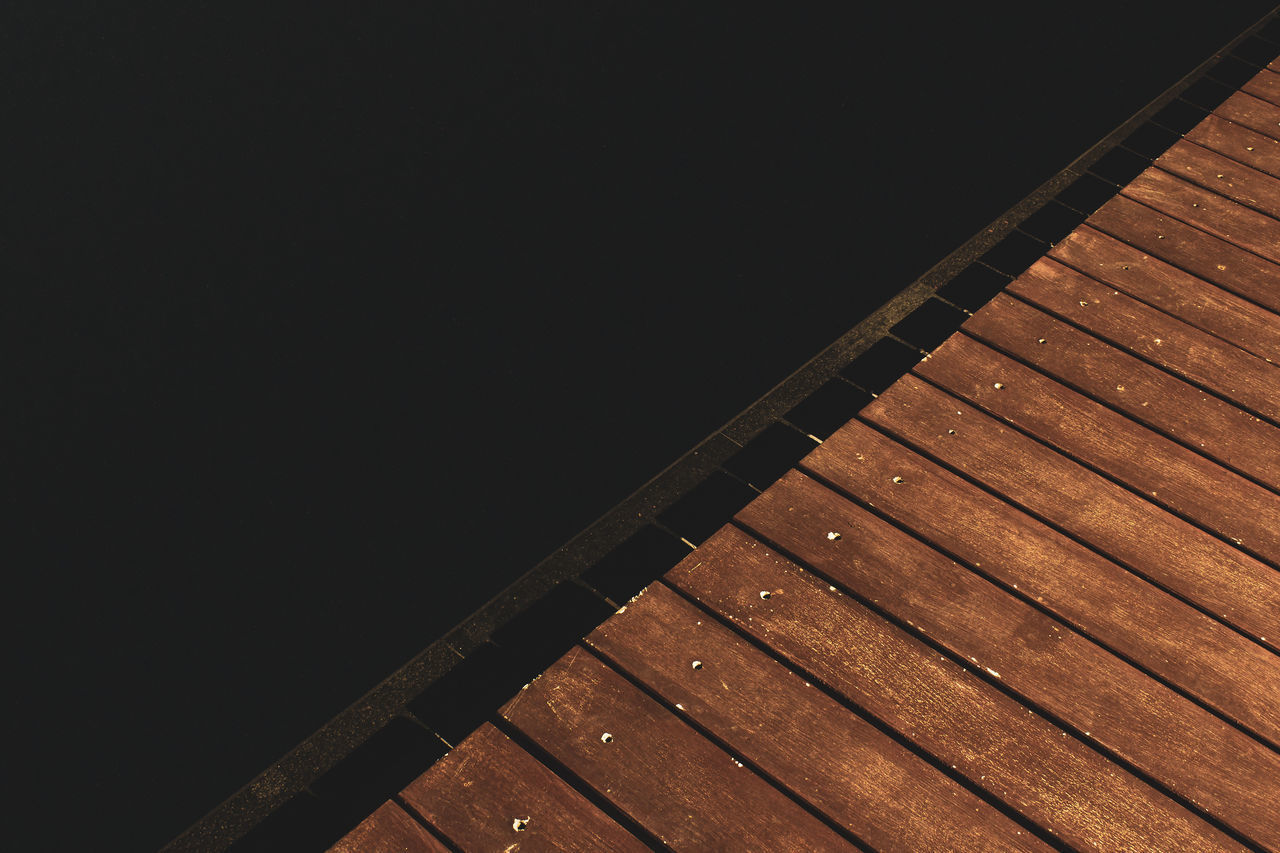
(684, 789)
(999, 744)
(1148, 626)
(390, 829)
(1167, 473)
(1192, 300)
(1136, 533)
(1213, 427)
(1117, 706)
(489, 794)
(1265, 85)
(1209, 362)
(1253, 113)
(1208, 211)
(1222, 175)
(838, 762)
(1238, 142)
(1200, 254)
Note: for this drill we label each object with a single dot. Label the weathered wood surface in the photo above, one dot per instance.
(816, 747)
(1145, 624)
(1167, 473)
(1200, 254)
(1222, 175)
(1042, 659)
(1266, 86)
(389, 830)
(1213, 364)
(687, 791)
(489, 794)
(1161, 285)
(997, 743)
(1188, 561)
(1238, 142)
(1208, 211)
(1150, 396)
(1253, 113)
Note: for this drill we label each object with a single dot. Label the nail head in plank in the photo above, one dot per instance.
(1179, 294)
(1175, 741)
(1213, 364)
(488, 794)
(835, 760)
(389, 830)
(999, 744)
(678, 785)
(1165, 636)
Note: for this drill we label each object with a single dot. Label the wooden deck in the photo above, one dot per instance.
(1029, 599)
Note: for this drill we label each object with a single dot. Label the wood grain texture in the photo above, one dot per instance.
(1208, 211)
(1166, 473)
(1166, 636)
(1151, 396)
(480, 792)
(1253, 113)
(1222, 175)
(680, 786)
(1115, 521)
(838, 762)
(389, 830)
(1248, 381)
(1238, 142)
(993, 740)
(1117, 706)
(1191, 249)
(1266, 86)
(1180, 294)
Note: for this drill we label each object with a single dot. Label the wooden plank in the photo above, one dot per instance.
(996, 742)
(1117, 706)
(1265, 85)
(1132, 531)
(1166, 473)
(1248, 381)
(489, 794)
(1200, 254)
(390, 829)
(1255, 114)
(1158, 632)
(680, 786)
(1209, 212)
(1152, 397)
(1238, 142)
(842, 765)
(1222, 175)
(1192, 300)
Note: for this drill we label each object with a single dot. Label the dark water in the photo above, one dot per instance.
(323, 324)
